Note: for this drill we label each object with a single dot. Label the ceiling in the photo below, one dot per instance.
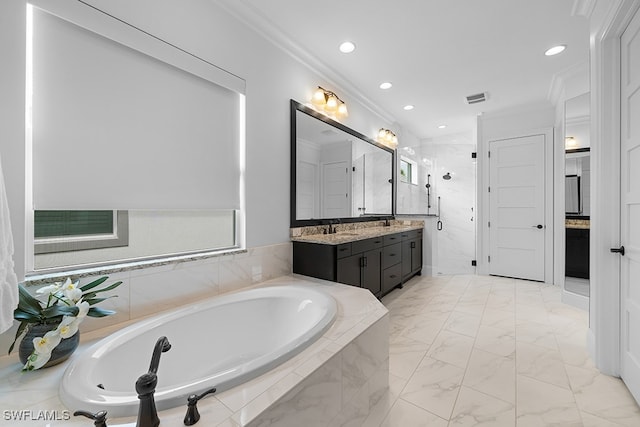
(435, 52)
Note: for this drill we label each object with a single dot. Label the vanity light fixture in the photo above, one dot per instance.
(408, 107)
(388, 138)
(570, 142)
(385, 85)
(555, 50)
(328, 102)
(442, 126)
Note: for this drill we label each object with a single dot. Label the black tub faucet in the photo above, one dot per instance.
(146, 387)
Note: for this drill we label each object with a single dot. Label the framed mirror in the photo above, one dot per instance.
(337, 173)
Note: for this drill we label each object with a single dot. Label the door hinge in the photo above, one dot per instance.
(473, 263)
(474, 155)
(354, 168)
(489, 224)
(489, 189)
(489, 154)
(489, 258)
(346, 170)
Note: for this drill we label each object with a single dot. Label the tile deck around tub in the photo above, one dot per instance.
(320, 373)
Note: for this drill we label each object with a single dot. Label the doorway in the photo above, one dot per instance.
(517, 207)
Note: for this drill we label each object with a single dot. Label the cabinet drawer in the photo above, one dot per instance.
(366, 245)
(412, 234)
(391, 277)
(391, 255)
(343, 250)
(391, 239)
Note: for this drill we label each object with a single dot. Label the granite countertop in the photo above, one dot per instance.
(355, 234)
(583, 224)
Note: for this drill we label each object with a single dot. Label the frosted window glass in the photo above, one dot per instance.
(114, 128)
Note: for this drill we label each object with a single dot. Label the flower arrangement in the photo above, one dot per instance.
(66, 305)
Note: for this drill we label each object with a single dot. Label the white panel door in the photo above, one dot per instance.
(307, 197)
(516, 200)
(335, 190)
(630, 207)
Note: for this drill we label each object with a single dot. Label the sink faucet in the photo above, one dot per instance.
(146, 387)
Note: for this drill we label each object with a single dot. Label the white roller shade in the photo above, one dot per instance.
(114, 128)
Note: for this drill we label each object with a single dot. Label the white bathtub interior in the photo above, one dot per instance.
(220, 342)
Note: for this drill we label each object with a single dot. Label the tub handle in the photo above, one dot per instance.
(192, 416)
(99, 418)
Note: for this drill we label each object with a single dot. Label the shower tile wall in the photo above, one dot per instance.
(452, 248)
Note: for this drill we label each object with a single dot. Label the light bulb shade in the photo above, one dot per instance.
(342, 110)
(318, 98)
(332, 104)
(381, 134)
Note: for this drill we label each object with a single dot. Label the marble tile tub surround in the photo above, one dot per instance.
(352, 231)
(338, 380)
(150, 290)
(489, 351)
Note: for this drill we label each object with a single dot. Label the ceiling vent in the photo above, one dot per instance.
(474, 99)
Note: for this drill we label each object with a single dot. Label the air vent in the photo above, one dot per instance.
(474, 99)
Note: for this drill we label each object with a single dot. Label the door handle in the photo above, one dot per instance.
(619, 250)
(539, 226)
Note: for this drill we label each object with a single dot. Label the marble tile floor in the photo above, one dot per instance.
(489, 351)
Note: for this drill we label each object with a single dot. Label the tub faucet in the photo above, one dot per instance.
(146, 387)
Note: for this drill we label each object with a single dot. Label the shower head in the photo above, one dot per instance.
(447, 176)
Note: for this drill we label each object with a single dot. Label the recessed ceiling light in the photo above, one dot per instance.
(408, 107)
(347, 47)
(442, 126)
(555, 50)
(385, 85)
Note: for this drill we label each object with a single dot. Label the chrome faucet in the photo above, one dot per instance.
(146, 387)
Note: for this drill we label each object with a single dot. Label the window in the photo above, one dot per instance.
(65, 230)
(408, 171)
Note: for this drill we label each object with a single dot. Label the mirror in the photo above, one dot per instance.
(577, 159)
(336, 172)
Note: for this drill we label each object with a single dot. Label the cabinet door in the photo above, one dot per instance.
(416, 254)
(349, 269)
(371, 271)
(406, 258)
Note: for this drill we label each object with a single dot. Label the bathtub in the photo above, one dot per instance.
(220, 342)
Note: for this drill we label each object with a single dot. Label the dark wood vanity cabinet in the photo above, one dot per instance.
(411, 253)
(377, 264)
(577, 253)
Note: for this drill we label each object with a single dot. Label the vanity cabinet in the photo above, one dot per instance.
(577, 253)
(411, 253)
(377, 263)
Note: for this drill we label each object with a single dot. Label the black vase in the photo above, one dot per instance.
(63, 350)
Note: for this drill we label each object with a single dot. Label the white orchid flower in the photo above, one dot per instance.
(44, 345)
(83, 309)
(68, 327)
(71, 290)
(36, 361)
(49, 289)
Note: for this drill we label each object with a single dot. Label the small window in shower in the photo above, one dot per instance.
(408, 171)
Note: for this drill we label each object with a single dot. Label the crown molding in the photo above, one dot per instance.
(255, 20)
(559, 80)
(583, 8)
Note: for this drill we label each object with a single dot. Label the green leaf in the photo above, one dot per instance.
(108, 288)
(27, 302)
(60, 310)
(93, 284)
(21, 329)
(94, 301)
(24, 316)
(99, 312)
